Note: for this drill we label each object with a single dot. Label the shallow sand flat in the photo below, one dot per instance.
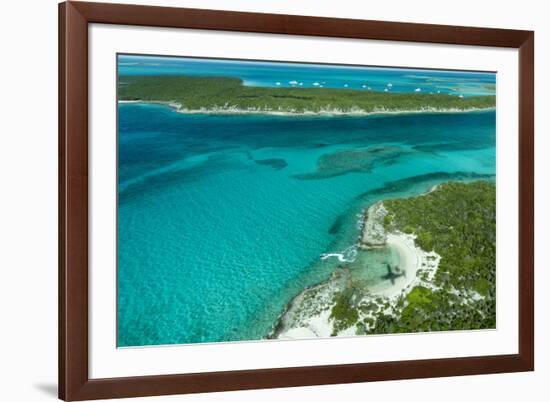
(318, 326)
(298, 333)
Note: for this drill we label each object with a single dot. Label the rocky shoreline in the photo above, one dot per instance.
(374, 234)
(283, 111)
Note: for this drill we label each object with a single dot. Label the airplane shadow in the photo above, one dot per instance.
(391, 275)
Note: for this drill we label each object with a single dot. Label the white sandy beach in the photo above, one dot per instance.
(410, 261)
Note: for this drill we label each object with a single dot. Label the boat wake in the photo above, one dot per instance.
(348, 255)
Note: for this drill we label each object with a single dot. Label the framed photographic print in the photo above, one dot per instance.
(260, 200)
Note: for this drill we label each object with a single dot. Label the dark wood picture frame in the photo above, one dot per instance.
(74, 381)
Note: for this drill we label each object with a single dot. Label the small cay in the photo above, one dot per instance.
(431, 288)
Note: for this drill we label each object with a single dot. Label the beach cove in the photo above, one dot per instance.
(311, 314)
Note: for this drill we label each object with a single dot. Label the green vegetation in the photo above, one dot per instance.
(213, 93)
(458, 222)
(419, 295)
(344, 313)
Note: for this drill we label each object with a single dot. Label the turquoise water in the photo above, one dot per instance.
(273, 74)
(222, 219)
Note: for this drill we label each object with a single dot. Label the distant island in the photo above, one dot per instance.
(445, 279)
(191, 94)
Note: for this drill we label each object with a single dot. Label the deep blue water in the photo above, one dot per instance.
(272, 74)
(222, 219)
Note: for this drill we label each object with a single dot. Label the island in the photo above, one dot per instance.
(445, 240)
(192, 94)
